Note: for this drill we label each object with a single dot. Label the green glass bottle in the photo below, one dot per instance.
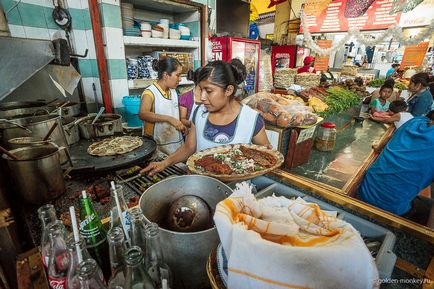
(94, 234)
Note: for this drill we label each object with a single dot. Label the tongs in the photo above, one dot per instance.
(16, 124)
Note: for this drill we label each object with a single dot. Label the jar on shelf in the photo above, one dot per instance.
(326, 137)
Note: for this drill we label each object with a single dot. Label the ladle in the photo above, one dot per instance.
(101, 110)
(18, 125)
(9, 154)
(53, 127)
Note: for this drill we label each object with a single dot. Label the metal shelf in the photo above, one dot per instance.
(142, 83)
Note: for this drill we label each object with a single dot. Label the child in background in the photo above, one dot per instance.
(397, 114)
(381, 103)
(189, 100)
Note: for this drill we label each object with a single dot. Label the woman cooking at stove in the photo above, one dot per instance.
(220, 119)
(159, 107)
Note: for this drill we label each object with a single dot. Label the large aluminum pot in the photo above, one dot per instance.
(14, 109)
(37, 174)
(106, 125)
(70, 109)
(39, 126)
(70, 130)
(185, 253)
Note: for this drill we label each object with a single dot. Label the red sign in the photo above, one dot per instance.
(332, 19)
(219, 48)
(282, 57)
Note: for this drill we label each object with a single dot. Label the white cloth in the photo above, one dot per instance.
(403, 118)
(244, 129)
(280, 243)
(168, 139)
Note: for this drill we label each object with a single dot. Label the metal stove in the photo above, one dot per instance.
(140, 184)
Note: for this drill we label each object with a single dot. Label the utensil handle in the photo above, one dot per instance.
(67, 155)
(9, 154)
(53, 127)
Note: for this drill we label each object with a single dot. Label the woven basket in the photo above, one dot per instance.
(213, 272)
(294, 25)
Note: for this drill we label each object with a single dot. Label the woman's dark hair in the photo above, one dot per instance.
(384, 86)
(390, 82)
(194, 75)
(430, 115)
(167, 64)
(395, 65)
(421, 77)
(398, 106)
(224, 74)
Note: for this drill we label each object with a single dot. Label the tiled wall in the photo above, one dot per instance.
(32, 19)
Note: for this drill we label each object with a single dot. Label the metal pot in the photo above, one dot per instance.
(106, 125)
(37, 174)
(27, 141)
(185, 253)
(71, 109)
(39, 127)
(15, 109)
(70, 130)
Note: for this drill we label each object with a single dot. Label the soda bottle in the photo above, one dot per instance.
(76, 258)
(117, 249)
(94, 234)
(88, 275)
(154, 262)
(47, 214)
(114, 216)
(58, 260)
(136, 275)
(137, 229)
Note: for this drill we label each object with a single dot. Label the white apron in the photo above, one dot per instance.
(244, 128)
(167, 137)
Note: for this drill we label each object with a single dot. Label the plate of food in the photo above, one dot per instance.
(235, 162)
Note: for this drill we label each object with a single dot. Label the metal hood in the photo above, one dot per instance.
(20, 59)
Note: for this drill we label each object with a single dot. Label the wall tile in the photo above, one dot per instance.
(17, 31)
(88, 67)
(114, 43)
(48, 14)
(36, 33)
(110, 15)
(80, 19)
(88, 89)
(90, 44)
(119, 89)
(117, 69)
(32, 15)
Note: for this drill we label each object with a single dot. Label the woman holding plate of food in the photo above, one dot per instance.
(220, 119)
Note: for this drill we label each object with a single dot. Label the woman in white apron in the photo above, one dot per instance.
(220, 119)
(159, 107)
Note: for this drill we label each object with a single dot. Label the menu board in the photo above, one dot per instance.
(414, 55)
(332, 19)
(322, 61)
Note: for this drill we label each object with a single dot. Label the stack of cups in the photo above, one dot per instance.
(185, 32)
(165, 24)
(127, 15)
(145, 27)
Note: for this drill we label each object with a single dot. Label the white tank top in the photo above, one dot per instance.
(244, 129)
(167, 137)
(403, 118)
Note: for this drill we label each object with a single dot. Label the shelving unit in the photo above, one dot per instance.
(160, 42)
(142, 83)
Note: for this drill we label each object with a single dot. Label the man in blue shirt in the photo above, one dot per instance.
(403, 169)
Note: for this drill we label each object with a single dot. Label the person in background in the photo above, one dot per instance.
(395, 94)
(220, 119)
(308, 65)
(159, 107)
(403, 169)
(421, 99)
(381, 103)
(397, 114)
(393, 71)
(189, 100)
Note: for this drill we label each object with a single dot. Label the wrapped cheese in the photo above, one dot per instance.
(307, 79)
(284, 77)
(350, 70)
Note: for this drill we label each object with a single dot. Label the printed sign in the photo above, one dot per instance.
(322, 61)
(306, 134)
(414, 55)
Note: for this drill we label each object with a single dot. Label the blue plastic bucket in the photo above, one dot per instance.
(132, 107)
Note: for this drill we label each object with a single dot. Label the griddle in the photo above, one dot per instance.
(84, 162)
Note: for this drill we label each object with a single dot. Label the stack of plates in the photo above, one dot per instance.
(127, 15)
(132, 31)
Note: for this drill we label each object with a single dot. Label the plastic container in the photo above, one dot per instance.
(132, 107)
(385, 258)
(326, 137)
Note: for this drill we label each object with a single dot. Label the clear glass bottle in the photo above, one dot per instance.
(75, 259)
(47, 214)
(88, 275)
(154, 262)
(137, 229)
(326, 137)
(117, 249)
(114, 216)
(136, 275)
(58, 261)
